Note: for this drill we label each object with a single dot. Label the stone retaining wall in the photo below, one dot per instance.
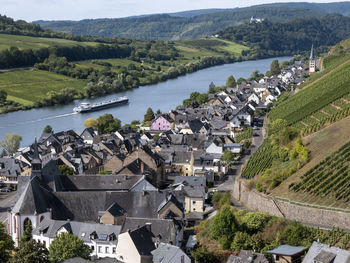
(262, 203)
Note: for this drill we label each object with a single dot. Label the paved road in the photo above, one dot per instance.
(256, 142)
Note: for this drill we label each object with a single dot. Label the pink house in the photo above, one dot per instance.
(161, 123)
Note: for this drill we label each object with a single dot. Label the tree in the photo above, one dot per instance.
(242, 240)
(256, 75)
(48, 129)
(149, 116)
(240, 81)
(224, 223)
(90, 123)
(3, 96)
(10, 143)
(67, 245)
(158, 112)
(212, 87)
(228, 156)
(66, 170)
(6, 244)
(275, 67)
(231, 82)
(107, 124)
(255, 222)
(30, 251)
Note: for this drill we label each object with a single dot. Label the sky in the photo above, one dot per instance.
(31, 10)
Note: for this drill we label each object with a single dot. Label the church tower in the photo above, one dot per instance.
(312, 61)
(36, 162)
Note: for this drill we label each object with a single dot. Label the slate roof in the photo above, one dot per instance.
(165, 253)
(247, 257)
(49, 228)
(37, 198)
(287, 250)
(166, 229)
(10, 167)
(191, 242)
(98, 182)
(190, 180)
(143, 240)
(324, 253)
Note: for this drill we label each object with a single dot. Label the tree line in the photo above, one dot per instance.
(292, 37)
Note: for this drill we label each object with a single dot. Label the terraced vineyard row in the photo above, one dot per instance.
(315, 97)
(330, 178)
(334, 111)
(260, 160)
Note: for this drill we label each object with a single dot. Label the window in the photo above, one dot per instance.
(42, 218)
(99, 249)
(107, 250)
(93, 248)
(193, 202)
(44, 242)
(182, 259)
(114, 250)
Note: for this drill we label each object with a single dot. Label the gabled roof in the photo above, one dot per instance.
(287, 250)
(164, 229)
(49, 228)
(247, 257)
(35, 198)
(165, 253)
(323, 252)
(143, 240)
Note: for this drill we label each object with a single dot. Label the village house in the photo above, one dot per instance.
(162, 123)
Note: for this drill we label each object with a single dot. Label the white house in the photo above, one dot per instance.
(102, 239)
(254, 97)
(214, 148)
(136, 246)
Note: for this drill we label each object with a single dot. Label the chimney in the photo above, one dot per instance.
(142, 167)
(149, 226)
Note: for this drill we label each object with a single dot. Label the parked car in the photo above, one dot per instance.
(5, 189)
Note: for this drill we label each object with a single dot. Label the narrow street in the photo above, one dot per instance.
(256, 142)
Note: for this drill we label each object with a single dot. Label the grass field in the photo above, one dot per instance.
(25, 42)
(208, 47)
(28, 86)
(321, 144)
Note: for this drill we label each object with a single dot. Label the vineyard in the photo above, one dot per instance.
(245, 135)
(260, 160)
(331, 113)
(330, 179)
(315, 97)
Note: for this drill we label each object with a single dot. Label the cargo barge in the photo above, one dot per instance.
(87, 107)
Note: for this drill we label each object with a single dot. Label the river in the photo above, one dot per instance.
(164, 96)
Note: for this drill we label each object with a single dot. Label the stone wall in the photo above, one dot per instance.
(262, 203)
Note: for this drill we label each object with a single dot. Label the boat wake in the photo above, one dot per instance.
(38, 120)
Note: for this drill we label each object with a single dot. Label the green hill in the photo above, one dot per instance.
(169, 26)
(291, 37)
(194, 23)
(27, 42)
(320, 110)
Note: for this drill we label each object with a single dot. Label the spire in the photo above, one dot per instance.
(36, 162)
(312, 52)
(36, 158)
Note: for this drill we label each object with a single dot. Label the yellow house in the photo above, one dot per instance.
(183, 162)
(194, 199)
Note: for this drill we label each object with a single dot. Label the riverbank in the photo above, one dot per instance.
(164, 96)
(33, 88)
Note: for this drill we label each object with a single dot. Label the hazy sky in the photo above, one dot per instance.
(30, 10)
